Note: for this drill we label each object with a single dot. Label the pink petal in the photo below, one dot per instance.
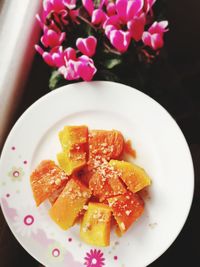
(47, 5)
(108, 30)
(148, 5)
(113, 20)
(158, 27)
(121, 7)
(102, 2)
(133, 8)
(86, 68)
(58, 60)
(88, 5)
(120, 40)
(146, 38)
(39, 20)
(70, 3)
(52, 38)
(70, 71)
(58, 5)
(87, 46)
(74, 14)
(110, 8)
(70, 53)
(48, 59)
(39, 49)
(62, 37)
(98, 16)
(157, 41)
(136, 27)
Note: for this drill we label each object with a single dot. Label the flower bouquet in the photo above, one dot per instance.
(100, 39)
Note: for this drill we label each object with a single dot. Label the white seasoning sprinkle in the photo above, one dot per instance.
(128, 212)
(57, 181)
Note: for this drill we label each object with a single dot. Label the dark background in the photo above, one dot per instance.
(175, 84)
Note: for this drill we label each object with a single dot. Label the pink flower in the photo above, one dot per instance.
(52, 38)
(69, 53)
(94, 258)
(158, 27)
(57, 5)
(88, 5)
(127, 9)
(119, 39)
(148, 5)
(70, 70)
(136, 26)
(87, 46)
(86, 68)
(98, 17)
(125, 14)
(73, 68)
(56, 13)
(154, 36)
(54, 58)
(52, 5)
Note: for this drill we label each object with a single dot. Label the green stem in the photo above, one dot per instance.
(87, 22)
(111, 50)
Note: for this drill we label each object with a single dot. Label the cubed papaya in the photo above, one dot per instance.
(70, 203)
(71, 161)
(56, 194)
(132, 175)
(73, 137)
(95, 227)
(104, 145)
(105, 182)
(46, 179)
(74, 142)
(126, 208)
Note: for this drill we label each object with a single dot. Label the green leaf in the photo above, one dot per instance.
(89, 30)
(111, 63)
(55, 80)
(107, 76)
(97, 3)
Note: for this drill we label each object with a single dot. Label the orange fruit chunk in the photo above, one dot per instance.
(46, 179)
(126, 209)
(132, 175)
(56, 194)
(95, 227)
(70, 203)
(73, 136)
(74, 142)
(105, 182)
(104, 145)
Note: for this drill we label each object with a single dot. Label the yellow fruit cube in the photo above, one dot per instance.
(73, 136)
(70, 203)
(74, 142)
(126, 209)
(132, 175)
(71, 161)
(95, 227)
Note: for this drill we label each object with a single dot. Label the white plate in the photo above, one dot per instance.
(161, 150)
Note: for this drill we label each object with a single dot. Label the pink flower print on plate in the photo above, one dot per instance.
(94, 258)
(16, 173)
(26, 221)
